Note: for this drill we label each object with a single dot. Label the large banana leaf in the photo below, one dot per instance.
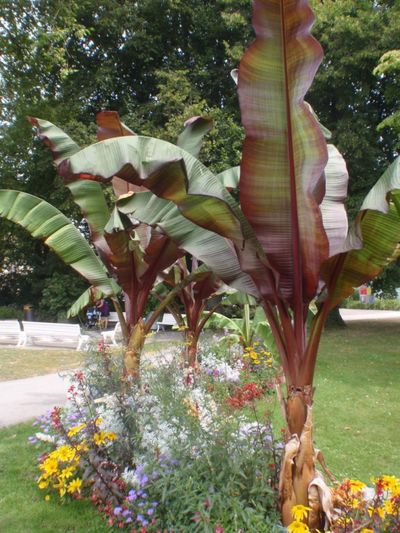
(191, 138)
(373, 241)
(333, 210)
(43, 221)
(59, 143)
(284, 152)
(212, 249)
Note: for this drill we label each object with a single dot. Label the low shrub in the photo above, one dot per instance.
(379, 304)
(9, 312)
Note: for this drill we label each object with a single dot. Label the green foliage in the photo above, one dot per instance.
(59, 291)
(382, 304)
(346, 95)
(9, 312)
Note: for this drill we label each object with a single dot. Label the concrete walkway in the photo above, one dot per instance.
(23, 399)
(368, 314)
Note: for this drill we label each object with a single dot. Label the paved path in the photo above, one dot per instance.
(368, 314)
(24, 399)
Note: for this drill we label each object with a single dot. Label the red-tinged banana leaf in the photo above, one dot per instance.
(43, 221)
(166, 170)
(284, 152)
(136, 258)
(180, 178)
(109, 125)
(376, 233)
(333, 210)
(210, 248)
(60, 144)
(191, 138)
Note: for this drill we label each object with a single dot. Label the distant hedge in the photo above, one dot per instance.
(379, 304)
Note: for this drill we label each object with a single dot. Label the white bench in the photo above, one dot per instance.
(54, 334)
(114, 336)
(10, 332)
(167, 320)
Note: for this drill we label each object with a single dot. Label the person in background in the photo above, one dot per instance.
(104, 309)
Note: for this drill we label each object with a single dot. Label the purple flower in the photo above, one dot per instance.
(117, 511)
(150, 511)
(126, 513)
(132, 495)
(140, 518)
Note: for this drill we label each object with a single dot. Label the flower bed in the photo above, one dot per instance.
(186, 451)
(182, 451)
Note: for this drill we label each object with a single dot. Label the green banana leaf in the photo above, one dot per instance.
(191, 138)
(373, 241)
(90, 297)
(43, 221)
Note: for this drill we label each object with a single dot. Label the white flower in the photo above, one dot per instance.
(44, 437)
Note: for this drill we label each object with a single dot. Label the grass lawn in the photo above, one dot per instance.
(357, 399)
(22, 506)
(18, 363)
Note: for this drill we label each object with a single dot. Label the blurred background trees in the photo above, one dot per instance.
(159, 62)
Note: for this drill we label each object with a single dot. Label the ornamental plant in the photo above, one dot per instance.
(164, 457)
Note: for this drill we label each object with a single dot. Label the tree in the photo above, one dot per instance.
(349, 99)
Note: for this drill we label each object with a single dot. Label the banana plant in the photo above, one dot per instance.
(244, 331)
(193, 298)
(134, 253)
(290, 233)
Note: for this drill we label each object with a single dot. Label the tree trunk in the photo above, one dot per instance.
(134, 349)
(191, 349)
(300, 482)
(334, 319)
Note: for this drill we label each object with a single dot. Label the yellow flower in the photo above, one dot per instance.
(64, 453)
(67, 472)
(376, 510)
(75, 486)
(356, 485)
(50, 466)
(99, 438)
(43, 484)
(366, 530)
(102, 436)
(299, 512)
(73, 431)
(61, 486)
(298, 527)
(98, 421)
(110, 435)
(47, 498)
